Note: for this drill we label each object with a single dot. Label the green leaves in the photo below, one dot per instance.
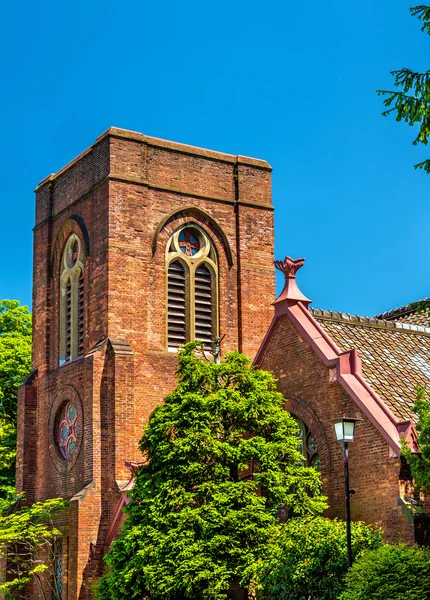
(420, 463)
(28, 536)
(412, 104)
(308, 559)
(15, 364)
(397, 572)
(15, 353)
(221, 455)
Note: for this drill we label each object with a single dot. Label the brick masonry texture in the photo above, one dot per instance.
(124, 197)
(378, 480)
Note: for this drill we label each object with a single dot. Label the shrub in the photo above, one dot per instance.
(392, 572)
(308, 559)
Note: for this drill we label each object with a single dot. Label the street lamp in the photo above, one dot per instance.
(344, 429)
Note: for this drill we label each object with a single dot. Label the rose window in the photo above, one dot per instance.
(67, 430)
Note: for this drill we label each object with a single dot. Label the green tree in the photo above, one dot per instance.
(15, 364)
(308, 559)
(221, 455)
(420, 463)
(394, 572)
(29, 539)
(412, 103)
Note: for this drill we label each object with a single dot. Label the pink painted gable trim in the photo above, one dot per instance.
(118, 517)
(348, 374)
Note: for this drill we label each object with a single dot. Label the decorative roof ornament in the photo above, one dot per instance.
(289, 268)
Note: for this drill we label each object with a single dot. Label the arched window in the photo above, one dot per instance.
(307, 446)
(72, 301)
(192, 287)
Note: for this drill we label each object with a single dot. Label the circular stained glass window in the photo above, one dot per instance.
(189, 242)
(67, 430)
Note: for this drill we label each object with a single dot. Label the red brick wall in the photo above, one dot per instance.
(116, 197)
(304, 382)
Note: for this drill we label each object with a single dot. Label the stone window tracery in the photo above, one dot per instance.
(58, 564)
(72, 297)
(192, 287)
(307, 446)
(67, 430)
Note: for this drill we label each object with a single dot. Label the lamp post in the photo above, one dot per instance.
(344, 429)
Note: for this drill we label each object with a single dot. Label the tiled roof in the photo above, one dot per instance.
(395, 355)
(408, 313)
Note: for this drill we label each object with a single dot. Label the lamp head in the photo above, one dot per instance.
(344, 428)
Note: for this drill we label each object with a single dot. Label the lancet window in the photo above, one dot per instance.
(307, 446)
(192, 287)
(72, 298)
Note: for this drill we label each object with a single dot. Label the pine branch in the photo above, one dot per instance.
(422, 13)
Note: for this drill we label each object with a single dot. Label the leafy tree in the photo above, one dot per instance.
(15, 364)
(221, 455)
(15, 353)
(420, 463)
(412, 103)
(308, 559)
(394, 572)
(29, 539)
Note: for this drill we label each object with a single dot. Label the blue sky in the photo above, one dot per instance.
(293, 83)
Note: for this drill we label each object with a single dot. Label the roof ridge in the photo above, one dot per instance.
(395, 312)
(369, 321)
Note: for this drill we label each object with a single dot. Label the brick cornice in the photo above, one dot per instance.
(118, 133)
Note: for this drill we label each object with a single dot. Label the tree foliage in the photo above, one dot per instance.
(308, 559)
(15, 364)
(221, 455)
(420, 463)
(397, 572)
(28, 539)
(15, 353)
(412, 104)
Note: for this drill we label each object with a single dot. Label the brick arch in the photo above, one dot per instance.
(182, 216)
(74, 224)
(300, 409)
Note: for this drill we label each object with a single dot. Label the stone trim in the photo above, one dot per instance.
(186, 215)
(119, 133)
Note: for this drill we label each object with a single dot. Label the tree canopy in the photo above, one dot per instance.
(412, 104)
(220, 457)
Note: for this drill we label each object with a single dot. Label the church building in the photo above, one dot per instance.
(142, 244)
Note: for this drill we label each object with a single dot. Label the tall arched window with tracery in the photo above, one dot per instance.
(192, 287)
(72, 299)
(307, 446)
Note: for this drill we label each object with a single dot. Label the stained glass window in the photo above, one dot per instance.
(307, 446)
(59, 568)
(189, 242)
(67, 430)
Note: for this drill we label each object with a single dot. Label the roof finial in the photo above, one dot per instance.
(289, 268)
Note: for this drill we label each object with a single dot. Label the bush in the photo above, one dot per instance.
(394, 572)
(308, 559)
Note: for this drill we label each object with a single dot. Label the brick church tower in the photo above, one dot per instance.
(140, 244)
